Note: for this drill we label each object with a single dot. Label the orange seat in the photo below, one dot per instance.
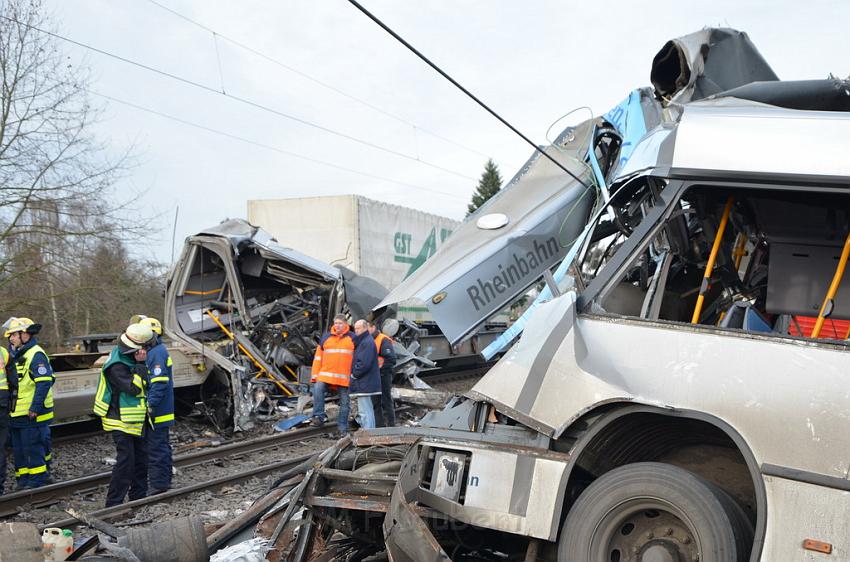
(832, 329)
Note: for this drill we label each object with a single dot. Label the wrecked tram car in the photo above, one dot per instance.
(253, 311)
(670, 402)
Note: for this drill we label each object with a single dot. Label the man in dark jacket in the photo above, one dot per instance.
(160, 409)
(383, 404)
(365, 375)
(120, 403)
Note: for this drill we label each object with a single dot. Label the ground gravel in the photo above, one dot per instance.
(88, 455)
(74, 458)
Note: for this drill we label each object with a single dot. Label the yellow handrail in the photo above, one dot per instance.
(256, 363)
(739, 252)
(709, 267)
(833, 287)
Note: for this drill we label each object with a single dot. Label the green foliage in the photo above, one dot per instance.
(97, 294)
(488, 186)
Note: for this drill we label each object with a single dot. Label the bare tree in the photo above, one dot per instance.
(57, 200)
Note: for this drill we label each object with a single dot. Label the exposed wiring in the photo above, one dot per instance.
(561, 118)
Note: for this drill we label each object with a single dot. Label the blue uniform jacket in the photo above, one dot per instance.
(40, 367)
(160, 385)
(365, 376)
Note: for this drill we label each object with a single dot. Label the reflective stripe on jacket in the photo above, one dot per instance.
(160, 395)
(130, 415)
(332, 362)
(33, 385)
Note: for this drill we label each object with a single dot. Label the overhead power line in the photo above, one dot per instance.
(315, 80)
(442, 73)
(269, 147)
(240, 99)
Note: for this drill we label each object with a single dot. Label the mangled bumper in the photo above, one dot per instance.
(447, 482)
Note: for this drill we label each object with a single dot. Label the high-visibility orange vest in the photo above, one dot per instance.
(378, 341)
(334, 355)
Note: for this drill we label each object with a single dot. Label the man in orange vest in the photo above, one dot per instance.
(332, 369)
(383, 403)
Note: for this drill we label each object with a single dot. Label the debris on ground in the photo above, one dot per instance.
(251, 550)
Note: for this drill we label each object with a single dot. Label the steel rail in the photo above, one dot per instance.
(54, 492)
(108, 512)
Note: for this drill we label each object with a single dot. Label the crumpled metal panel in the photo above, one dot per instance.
(538, 381)
(477, 271)
(239, 232)
(408, 538)
(707, 62)
(362, 293)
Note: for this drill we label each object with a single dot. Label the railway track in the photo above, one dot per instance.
(46, 495)
(10, 504)
(114, 511)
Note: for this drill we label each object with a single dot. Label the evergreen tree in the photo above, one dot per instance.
(488, 186)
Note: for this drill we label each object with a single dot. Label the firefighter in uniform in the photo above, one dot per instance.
(332, 369)
(160, 409)
(5, 398)
(383, 403)
(33, 407)
(120, 404)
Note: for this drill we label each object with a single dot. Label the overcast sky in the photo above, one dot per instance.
(532, 61)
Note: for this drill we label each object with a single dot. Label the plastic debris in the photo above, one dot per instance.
(252, 550)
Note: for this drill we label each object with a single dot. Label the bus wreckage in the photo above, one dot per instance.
(250, 313)
(678, 392)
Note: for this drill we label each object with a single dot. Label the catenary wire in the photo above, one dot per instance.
(442, 73)
(315, 80)
(240, 99)
(267, 146)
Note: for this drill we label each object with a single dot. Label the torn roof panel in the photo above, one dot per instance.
(240, 232)
(361, 293)
(707, 62)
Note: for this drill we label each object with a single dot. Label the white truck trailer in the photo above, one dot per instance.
(382, 241)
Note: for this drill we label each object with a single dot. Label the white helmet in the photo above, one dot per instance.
(137, 336)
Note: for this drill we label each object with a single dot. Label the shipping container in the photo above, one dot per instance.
(379, 240)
